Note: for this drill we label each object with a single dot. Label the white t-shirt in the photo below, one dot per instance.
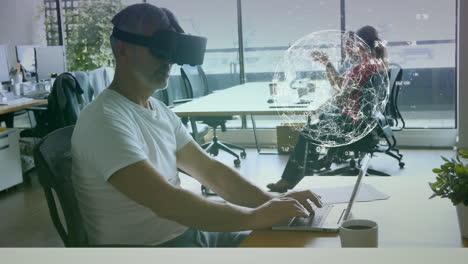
(111, 133)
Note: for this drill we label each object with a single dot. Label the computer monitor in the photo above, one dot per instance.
(26, 55)
(49, 60)
(4, 71)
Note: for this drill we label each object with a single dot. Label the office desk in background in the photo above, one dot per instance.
(407, 219)
(10, 108)
(7, 110)
(245, 99)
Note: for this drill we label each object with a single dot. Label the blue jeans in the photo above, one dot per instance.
(196, 238)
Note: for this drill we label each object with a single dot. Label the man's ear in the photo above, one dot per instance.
(122, 51)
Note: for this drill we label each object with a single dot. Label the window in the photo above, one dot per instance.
(421, 38)
(420, 35)
(217, 21)
(86, 28)
(270, 27)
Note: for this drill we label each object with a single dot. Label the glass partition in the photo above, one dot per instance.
(421, 38)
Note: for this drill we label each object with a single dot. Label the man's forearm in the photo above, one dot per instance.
(231, 186)
(194, 211)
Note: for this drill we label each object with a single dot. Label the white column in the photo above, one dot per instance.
(462, 74)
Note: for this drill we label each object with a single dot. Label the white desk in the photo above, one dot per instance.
(245, 99)
(407, 219)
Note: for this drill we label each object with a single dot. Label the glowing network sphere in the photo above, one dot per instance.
(335, 111)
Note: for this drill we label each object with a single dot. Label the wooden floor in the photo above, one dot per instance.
(25, 220)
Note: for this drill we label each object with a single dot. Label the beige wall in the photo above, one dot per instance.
(19, 25)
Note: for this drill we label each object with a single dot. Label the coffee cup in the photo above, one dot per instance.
(359, 233)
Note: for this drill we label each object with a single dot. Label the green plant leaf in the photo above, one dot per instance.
(459, 169)
(436, 170)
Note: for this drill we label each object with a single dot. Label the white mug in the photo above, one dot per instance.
(17, 89)
(18, 78)
(359, 233)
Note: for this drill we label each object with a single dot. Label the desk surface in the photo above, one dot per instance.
(407, 219)
(245, 99)
(5, 109)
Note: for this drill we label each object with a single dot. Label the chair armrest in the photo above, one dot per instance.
(381, 119)
(181, 101)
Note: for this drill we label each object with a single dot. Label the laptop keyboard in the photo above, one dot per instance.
(316, 220)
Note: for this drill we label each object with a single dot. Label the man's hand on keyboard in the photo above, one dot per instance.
(277, 210)
(303, 197)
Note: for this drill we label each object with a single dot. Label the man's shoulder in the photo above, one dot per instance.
(104, 104)
(101, 112)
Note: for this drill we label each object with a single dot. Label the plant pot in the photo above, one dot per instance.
(462, 212)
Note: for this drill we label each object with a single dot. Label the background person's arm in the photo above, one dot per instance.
(142, 183)
(332, 74)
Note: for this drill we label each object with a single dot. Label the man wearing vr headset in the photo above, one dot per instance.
(127, 147)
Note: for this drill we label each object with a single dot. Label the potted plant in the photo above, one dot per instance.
(452, 182)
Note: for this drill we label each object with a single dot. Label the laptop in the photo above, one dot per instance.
(329, 217)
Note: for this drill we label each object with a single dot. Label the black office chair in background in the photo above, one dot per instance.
(380, 140)
(196, 85)
(65, 102)
(392, 112)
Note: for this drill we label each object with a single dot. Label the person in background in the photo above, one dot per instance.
(366, 52)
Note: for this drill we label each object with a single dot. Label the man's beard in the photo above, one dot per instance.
(157, 81)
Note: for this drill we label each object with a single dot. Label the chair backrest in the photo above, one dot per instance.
(162, 95)
(100, 79)
(65, 102)
(83, 80)
(195, 81)
(374, 96)
(392, 112)
(52, 156)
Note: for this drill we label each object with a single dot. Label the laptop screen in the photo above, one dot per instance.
(362, 173)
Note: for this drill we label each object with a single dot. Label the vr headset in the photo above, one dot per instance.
(168, 45)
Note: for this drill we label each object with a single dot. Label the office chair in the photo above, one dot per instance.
(52, 156)
(67, 98)
(196, 86)
(370, 143)
(392, 112)
(196, 130)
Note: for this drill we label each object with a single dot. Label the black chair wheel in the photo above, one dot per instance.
(214, 152)
(237, 163)
(402, 165)
(243, 154)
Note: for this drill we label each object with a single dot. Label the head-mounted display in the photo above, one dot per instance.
(168, 45)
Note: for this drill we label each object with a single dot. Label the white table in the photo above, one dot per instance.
(245, 99)
(407, 219)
